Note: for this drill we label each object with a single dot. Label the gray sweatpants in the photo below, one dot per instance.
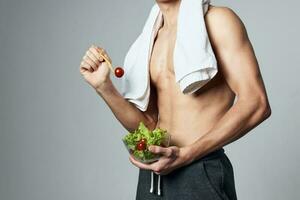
(208, 178)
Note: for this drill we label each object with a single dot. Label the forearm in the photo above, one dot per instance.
(239, 120)
(128, 115)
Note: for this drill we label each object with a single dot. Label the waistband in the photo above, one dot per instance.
(214, 154)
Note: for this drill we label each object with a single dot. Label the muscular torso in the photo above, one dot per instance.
(185, 117)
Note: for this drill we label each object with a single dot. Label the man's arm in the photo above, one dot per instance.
(126, 112)
(237, 61)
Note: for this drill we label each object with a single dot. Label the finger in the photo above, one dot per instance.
(88, 59)
(103, 53)
(98, 49)
(96, 54)
(157, 167)
(86, 66)
(93, 57)
(90, 62)
(82, 70)
(166, 151)
(107, 57)
(139, 164)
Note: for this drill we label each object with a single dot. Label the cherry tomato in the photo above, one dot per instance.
(141, 146)
(119, 72)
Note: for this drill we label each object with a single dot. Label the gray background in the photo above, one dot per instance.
(59, 140)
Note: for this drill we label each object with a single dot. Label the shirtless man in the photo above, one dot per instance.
(201, 123)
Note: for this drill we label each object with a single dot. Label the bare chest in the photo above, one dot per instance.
(161, 60)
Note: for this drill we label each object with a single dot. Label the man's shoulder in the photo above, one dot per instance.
(218, 15)
(224, 24)
(218, 11)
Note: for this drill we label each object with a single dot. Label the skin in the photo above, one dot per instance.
(209, 118)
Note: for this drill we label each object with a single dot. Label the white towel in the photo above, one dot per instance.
(194, 60)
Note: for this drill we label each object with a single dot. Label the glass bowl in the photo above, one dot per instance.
(151, 156)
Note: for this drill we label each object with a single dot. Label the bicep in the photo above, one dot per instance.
(241, 70)
(236, 56)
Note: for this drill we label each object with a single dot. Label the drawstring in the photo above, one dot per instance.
(151, 188)
(158, 184)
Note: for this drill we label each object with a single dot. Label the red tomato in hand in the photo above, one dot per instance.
(141, 145)
(119, 72)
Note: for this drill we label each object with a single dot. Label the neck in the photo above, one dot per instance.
(169, 9)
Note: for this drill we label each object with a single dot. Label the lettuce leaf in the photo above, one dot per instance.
(155, 137)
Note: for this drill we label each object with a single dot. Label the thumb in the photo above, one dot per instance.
(104, 65)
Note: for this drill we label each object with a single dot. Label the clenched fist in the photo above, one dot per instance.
(93, 67)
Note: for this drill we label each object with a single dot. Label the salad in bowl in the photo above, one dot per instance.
(137, 142)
